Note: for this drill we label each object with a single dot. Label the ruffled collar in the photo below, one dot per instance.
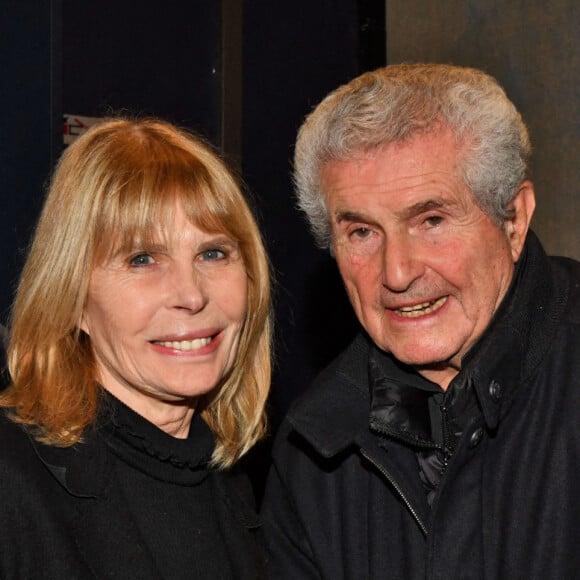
(151, 450)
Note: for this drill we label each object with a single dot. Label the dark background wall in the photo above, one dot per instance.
(144, 59)
(299, 55)
(92, 60)
(244, 78)
(30, 128)
(244, 74)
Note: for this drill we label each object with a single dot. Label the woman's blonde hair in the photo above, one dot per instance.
(118, 182)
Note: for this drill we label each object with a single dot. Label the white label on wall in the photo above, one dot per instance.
(75, 125)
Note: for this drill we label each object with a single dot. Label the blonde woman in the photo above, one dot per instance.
(140, 361)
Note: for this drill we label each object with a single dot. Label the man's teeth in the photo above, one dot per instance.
(194, 344)
(421, 309)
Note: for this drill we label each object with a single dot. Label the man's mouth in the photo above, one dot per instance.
(185, 345)
(422, 309)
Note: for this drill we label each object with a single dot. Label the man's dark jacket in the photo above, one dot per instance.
(345, 502)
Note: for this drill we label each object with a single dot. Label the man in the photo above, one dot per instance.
(444, 443)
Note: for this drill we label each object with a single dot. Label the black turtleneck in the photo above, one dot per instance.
(166, 485)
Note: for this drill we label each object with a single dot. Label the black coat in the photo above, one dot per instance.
(343, 502)
(62, 515)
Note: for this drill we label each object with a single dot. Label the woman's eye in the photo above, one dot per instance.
(210, 255)
(141, 260)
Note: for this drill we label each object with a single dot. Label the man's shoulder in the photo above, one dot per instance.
(345, 375)
(567, 277)
(330, 413)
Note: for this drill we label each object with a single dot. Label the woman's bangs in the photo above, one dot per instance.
(127, 219)
(206, 210)
(140, 212)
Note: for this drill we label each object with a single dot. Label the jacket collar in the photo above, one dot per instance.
(336, 409)
(83, 469)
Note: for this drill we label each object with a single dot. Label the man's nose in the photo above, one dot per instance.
(401, 263)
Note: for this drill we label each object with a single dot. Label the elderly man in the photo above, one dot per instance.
(444, 443)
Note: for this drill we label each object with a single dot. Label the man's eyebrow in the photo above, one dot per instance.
(426, 206)
(353, 216)
(405, 213)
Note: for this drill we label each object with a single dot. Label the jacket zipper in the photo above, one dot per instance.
(449, 443)
(416, 442)
(390, 479)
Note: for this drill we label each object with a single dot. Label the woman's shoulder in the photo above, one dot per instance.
(81, 470)
(45, 481)
(14, 439)
(17, 451)
(20, 467)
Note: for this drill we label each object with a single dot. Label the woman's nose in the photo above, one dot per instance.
(187, 289)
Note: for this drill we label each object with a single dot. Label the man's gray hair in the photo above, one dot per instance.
(399, 102)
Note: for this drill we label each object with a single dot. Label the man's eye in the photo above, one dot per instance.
(433, 221)
(141, 260)
(361, 233)
(214, 254)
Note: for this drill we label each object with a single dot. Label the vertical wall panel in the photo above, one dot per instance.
(294, 54)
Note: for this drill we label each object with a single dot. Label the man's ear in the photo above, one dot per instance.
(517, 225)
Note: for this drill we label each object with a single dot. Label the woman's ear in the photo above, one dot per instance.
(83, 324)
(518, 224)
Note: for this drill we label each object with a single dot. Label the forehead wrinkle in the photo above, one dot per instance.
(381, 178)
(430, 203)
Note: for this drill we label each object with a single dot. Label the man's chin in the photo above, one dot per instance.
(431, 365)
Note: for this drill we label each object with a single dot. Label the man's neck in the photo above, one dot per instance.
(441, 375)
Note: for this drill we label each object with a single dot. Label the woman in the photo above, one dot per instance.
(139, 355)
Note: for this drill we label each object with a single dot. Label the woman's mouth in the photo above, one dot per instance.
(185, 345)
(418, 310)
